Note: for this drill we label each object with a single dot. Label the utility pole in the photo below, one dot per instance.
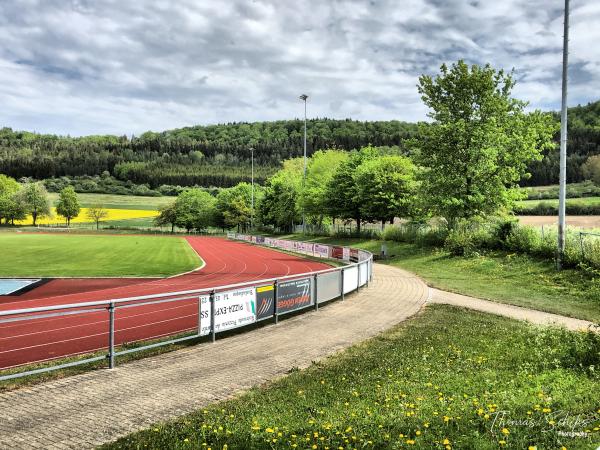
(304, 97)
(562, 192)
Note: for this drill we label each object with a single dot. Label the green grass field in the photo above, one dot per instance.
(113, 201)
(554, 202)
(446, 379)
(514, 279)
(50, 255)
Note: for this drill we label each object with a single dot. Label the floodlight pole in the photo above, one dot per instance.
(304, 97)
(562, 192)
(252, 207)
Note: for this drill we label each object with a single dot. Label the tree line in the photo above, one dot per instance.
(216, 155)
(219, 155)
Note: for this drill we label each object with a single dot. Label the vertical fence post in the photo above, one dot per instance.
(315, 293)
(199, 315)
(342, 282)
(212, 316)
(367, 266)
(275, 313)
(111, 336)
(358, 277)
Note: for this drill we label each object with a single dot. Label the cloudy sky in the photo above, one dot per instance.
(112, 66)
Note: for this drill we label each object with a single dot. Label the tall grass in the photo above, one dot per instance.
(581, 249)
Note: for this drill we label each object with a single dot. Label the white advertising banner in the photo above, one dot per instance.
(307, 247)
(230, 235)
(232, 309)
(346, 255)
(268, 241)
(364, 273)
(322, 250)
(350, 279)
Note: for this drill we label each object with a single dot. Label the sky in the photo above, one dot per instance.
(82, 67)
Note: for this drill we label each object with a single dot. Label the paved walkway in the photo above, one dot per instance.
(515, 312)
(86, 410)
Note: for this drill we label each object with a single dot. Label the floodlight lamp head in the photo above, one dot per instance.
(303, 97)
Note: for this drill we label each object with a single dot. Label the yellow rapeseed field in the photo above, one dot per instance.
(113, 214)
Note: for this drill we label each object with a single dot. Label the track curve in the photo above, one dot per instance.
(226, 262)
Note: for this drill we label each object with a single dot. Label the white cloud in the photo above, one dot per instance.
(107, 66)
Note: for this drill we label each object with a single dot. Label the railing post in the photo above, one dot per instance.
(358, 277)
(368, 277)
(315, 293)
(111, 336)
(199, 315)
(275, 313)
(342, 282)
(213, 333)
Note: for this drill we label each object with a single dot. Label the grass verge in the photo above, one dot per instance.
(497, 276)
(443, 379)
(51, 255)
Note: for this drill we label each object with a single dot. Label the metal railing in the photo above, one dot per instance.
(218, 309)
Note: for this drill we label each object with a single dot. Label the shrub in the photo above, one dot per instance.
(465, 241)
(523, 240)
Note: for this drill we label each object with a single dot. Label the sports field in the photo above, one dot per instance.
(49, 255)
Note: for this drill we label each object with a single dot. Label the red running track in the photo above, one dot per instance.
(227, 262)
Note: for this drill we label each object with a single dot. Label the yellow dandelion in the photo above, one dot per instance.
(505, 431)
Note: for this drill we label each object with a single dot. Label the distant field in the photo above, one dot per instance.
(119, 201)
(570, 201)
(590, 223)
(47, 255)
(114, 215)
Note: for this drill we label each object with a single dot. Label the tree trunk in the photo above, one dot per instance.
(97, 225)
(382, 224)
(172, 228)
(34, 217)
(358, 225)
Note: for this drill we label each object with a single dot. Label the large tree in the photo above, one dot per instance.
(342, 193)
(68, 204)
(320, 170)
(234, 206)
(280, 204)
(34, 198)
(479, 143)
(194, 209)
(10, 208)
(386, 188)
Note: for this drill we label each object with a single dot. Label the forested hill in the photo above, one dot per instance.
(215, 155)
(583, 141)
(219, 155)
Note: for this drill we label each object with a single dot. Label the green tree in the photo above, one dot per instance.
(10, 209)
(280, 204)
(194, 209)
(479, 143)
(167, 216)
(234, 206)
(68, 205)
(342, 192)
(34, 198)
(386, 188)
(321, 167)
(591, 169)
(96, 213)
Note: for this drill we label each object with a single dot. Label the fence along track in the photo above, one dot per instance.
(215, 309)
